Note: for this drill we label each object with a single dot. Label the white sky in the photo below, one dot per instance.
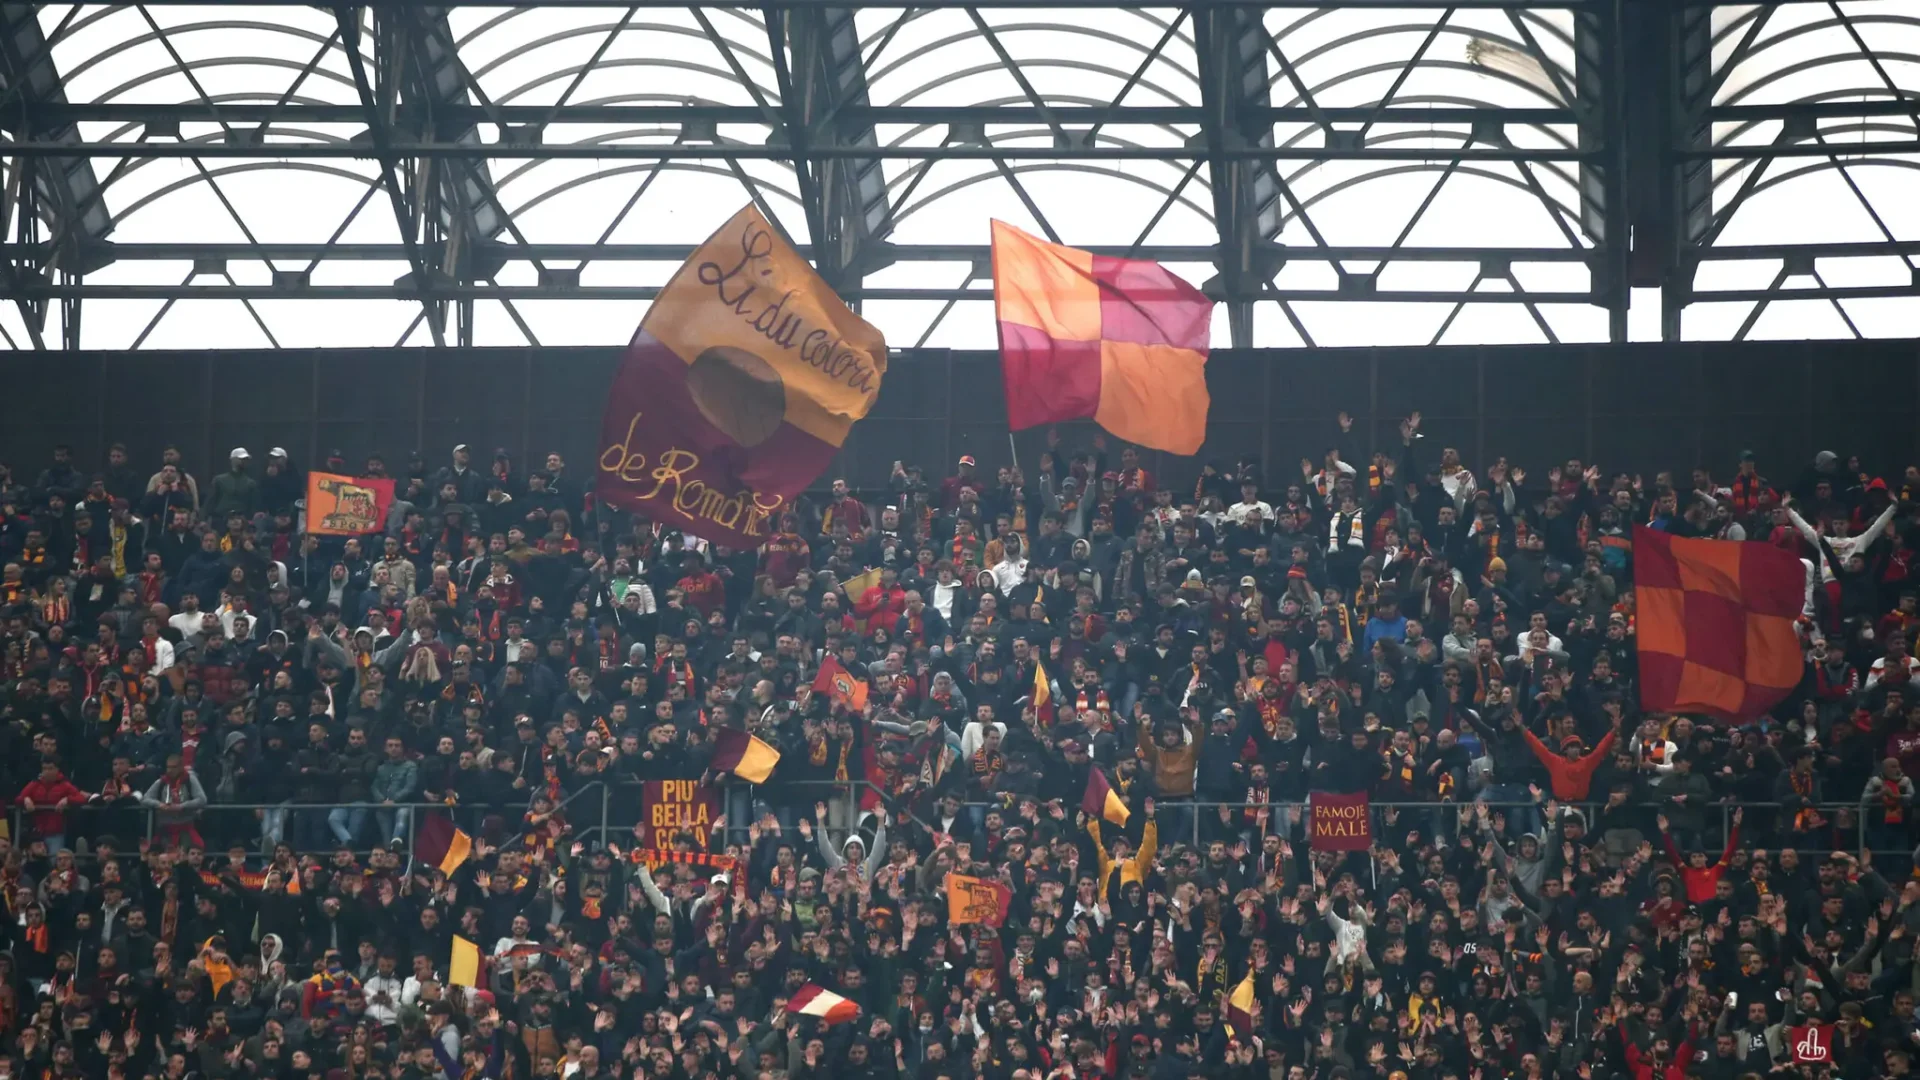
(525, 57)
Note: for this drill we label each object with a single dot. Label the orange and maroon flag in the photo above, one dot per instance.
(347, 505)
(976, 900)
(836, 681)
(1123, 341)
(738, 389)
(1716, 624)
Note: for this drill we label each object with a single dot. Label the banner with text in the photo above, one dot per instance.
(671, 807)
(1341, 822)
(739, 389)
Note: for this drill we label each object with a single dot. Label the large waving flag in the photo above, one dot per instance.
(1123, 341)
(738, 389)
(1715, 624)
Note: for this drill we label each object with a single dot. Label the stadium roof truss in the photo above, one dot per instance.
(1473, 171)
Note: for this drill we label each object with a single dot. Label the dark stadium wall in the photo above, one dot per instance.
(1635, 407)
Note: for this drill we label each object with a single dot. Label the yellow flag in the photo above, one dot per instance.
(465, 968)
(458, 849)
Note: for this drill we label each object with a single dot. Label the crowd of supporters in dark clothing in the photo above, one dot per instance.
(223, 737)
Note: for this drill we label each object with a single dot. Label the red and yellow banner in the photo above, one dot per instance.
(738, 390)
(1715, 624)
(347, 505)
(976, 900)
(839, 684)
(670, 807)
(1340, 822)
(1123, 341)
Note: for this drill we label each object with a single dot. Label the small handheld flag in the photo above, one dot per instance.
(743, 755)
(1101, 801)
(829, 1007)
(464, 970)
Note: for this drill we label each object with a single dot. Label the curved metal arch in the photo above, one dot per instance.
(1812, 167)
(1425, 62)
(134, 165)
(1018, 168)
(1811, 63)
(1051, 62)
(1731, 175)
(1184, 37)
(214, 173)
(1740, 21)
(523, 169)
(953, 39)
(1849, 93)
(219, 62)
(1858, 127)
(528, 47)
(1062, 99)
(120, 47)
(1557, 169)
(631, 62)
(905, 178)
(674, 166)
(508, 14)
(1310, 201)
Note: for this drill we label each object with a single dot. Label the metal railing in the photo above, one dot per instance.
(601, 813)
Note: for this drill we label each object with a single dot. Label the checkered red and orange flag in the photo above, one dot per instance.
(1123, 341)
(1715, 623)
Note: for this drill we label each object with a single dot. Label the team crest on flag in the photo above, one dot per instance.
(839, 684)
(347, 505)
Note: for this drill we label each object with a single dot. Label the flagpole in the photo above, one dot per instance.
(1014, 450)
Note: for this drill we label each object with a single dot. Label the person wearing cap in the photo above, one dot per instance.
(963, 479)
(1570, 769)
(283, 485)
(469, 485)
(234, 491)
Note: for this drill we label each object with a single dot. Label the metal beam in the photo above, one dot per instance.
(915, 253)
(1071, 5)
(348, 19)
(64, 190)
(449, 292)
(1232, 47)
(648, 292)
(294, 151)
(858, 114)
(828, 107)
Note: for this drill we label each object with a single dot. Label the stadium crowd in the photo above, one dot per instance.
(222, 734)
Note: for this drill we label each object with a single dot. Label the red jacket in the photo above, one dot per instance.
(1700, 883)
(46, 795)
(1571, 778)
(881, 607)
(1674, 1069)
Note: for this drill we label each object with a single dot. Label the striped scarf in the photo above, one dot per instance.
(1803, 787)
(653, 857)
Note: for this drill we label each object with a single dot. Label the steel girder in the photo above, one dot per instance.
(56, 198)
(1651, 179)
